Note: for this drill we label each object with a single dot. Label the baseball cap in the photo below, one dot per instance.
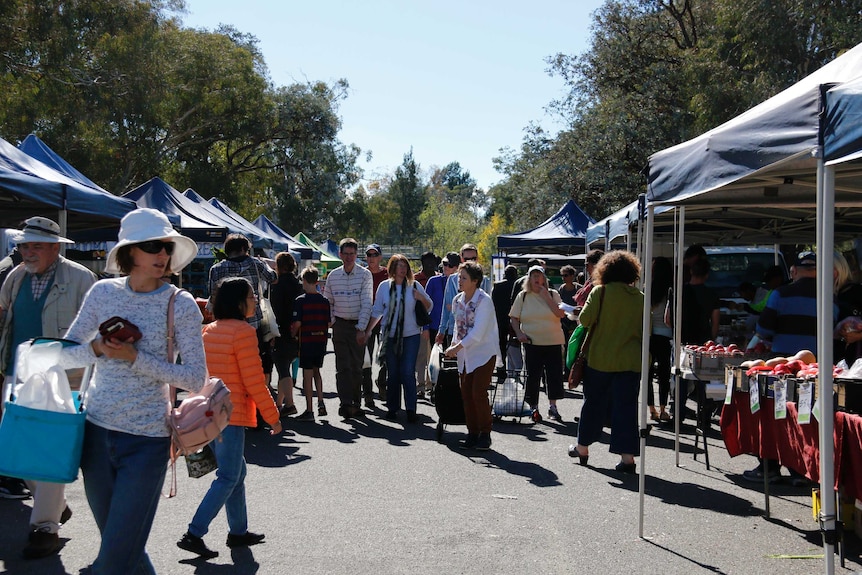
(373, 248)
(806, 259)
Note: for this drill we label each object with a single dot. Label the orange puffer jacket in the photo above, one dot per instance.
(232, 355)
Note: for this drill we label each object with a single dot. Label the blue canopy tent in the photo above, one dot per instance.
(29, 187)
(330, 247)
(36, 148)
(564, 232)
(193, 220)
(258, 238)
(265, 224)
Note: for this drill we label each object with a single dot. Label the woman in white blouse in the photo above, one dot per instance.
(475, 344)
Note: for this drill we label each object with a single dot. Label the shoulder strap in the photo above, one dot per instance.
(169, 335)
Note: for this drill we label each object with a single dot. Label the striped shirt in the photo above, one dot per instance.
(789, 319)
(350, 294)
(311, 310)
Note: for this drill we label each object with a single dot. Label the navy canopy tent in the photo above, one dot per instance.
(564, 232)
(193, 220)
(36, 148)
(258, 238)
(267, 225)
(29, 187)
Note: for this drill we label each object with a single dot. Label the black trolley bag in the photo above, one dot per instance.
(447, 397)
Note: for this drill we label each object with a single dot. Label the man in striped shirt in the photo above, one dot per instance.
(349, 291)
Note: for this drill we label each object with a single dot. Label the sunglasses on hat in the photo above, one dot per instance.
(156, 246)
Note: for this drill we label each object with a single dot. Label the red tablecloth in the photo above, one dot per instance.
(795, 446)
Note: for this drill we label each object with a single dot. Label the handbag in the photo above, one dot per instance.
(201, 462)
(576, 374)
(42, 444)
(423, 318)
(268, 323)
(200, 418)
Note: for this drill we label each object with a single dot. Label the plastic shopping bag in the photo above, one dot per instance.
(434, 362)
(42, 383)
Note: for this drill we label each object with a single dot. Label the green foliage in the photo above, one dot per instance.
(125, 93)
(659, 72)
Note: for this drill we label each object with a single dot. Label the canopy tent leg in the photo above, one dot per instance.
(825, 263)
(645, 360)
(679, 402)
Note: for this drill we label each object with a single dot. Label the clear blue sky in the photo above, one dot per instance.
(454, 80)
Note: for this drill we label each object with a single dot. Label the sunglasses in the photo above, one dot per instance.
(156, 246)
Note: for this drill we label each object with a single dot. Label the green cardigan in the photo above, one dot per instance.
(616, 344)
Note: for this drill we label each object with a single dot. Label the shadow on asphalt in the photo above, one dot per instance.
(536, 474)
(242, 561)
(684, 494)
(15, 519)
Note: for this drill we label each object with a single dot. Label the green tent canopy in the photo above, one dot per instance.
(328, 261)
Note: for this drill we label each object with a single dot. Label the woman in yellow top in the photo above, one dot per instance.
(614, 313)
(535, 317)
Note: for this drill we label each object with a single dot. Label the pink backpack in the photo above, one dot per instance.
(201, 417)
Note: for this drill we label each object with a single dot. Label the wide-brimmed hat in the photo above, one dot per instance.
(143, 225)
(39, 229)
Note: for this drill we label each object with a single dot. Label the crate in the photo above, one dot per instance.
(848, 395)
(766, 384)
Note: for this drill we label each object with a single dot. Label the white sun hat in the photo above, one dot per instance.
(145, 224)
(39, 229)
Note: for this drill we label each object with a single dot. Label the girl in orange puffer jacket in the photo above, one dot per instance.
(232, 355)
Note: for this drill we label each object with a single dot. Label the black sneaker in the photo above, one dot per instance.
(483, 443)
(307, 415)
(470, 442)
(288, 410)
(244, 540)
(321, 410)
(197, 546)
(65, 515)
(12, 488)
(41, 544)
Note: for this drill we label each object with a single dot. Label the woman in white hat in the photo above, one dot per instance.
(126, 441)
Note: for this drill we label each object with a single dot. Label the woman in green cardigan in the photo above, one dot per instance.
(614, 310)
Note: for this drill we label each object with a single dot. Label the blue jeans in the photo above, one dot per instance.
(228, 488)
(619, 392)
(401, 372)
(123, 478)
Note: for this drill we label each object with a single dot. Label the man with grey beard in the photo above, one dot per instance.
(40, 298)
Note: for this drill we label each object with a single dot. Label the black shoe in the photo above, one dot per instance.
(626, 468)
(483, 443)
(196, 545)
(12, 488)
(41, 544)
(244, 540)
(391, 415)
(307, 415)
(470, 442)
(420, 395)
(412, 417)
(65, 515)
(573, 452)
(288, 410)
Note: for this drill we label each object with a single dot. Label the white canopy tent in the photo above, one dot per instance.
(767, 161)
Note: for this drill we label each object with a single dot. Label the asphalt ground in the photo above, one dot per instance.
(375, 497)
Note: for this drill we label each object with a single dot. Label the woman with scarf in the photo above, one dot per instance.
(394, 307)
(476, 344)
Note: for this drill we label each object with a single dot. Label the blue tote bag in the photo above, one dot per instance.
(39, 444)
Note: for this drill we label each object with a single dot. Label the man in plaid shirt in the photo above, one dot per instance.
(259, 273)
